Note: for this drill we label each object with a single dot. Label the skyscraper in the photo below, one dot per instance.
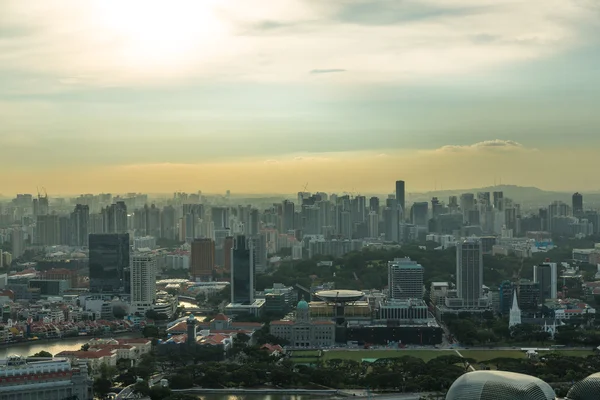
(114, 218)
(143, 280)
(469, 272)
(374, 204)
(202, 259)
(419, 213)
(18, 242)
(545, 275)
(242, 271)
(47, 230)
(80, 219)
(109, 263)
(498, 200)
(288, 216)
(405, 279)
(467, 204)
(401, 196)
(577, 203)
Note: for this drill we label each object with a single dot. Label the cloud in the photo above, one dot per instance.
(108, 44)
(487, 145)
(326, 71)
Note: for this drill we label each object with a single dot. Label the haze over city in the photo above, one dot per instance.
(160, 96)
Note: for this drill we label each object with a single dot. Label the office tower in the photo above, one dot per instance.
(437, 207)
(242, 271)
(400, 196)
(374, 204)
(453, 204)
(202, 259)
(467, 204)
(419, 213)
(483, 199)
(167, 223)
(373, 225)
(227, 253)
(80, 221)
(288, 216)
(18, 242)
(109, 263)
(498, 200)
(358, 205)
(254, 222)
(65, 236)
(545, 275)
(47, 230)
(577, 203)
(220, 217)
(311, 224)
(114, 218)
(143, 279)
(469, 272)
(259, 248)
(345, 226)
(405, 279)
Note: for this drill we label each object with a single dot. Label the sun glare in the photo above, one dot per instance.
(160, 34)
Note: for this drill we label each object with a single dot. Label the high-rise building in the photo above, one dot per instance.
(114, 218)
(288, 216)
(47, 230)
(577, 203)
(498, 200)
(405, 279)
(80, 220)
(220, 217)
(167, 223)
(373, 224)
(259, 248)
(254, 223)
(202, 259)
(143, 280)
(401, 196)
(18, 242)
(419, 213)
(469, 272)
(227, 253)
(467, 204)
(545, 275)
(374, 204)
(242, 271)
(109, 263)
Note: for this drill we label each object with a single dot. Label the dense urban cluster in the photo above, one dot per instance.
(242, 296)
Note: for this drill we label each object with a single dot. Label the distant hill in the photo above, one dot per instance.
(521, 194)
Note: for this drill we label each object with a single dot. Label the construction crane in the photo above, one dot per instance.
(305, 186)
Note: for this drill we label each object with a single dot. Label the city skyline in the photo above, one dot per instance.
(341, 94)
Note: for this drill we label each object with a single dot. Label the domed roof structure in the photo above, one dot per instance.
(588, 388)
(302, 305)
(499, 385)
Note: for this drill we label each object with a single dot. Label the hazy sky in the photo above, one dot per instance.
(265, 96)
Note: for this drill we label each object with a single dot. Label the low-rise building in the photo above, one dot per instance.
(44, 378)
(304, 332)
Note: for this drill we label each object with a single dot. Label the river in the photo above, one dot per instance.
(51, 346)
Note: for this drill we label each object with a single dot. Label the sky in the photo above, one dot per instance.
(268, 96)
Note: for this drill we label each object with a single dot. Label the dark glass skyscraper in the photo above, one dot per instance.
(242, 271)
(577, 203)
(400, 196)
(109, 263)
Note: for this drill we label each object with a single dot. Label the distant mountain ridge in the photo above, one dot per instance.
(520, 194)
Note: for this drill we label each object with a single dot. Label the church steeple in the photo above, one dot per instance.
(515, 312)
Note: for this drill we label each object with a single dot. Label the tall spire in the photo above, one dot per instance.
(515, 312)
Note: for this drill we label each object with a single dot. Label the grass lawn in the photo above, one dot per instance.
(305, 353)
(313, 360)
(426, 355)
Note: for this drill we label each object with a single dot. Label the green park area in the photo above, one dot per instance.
(425, 355)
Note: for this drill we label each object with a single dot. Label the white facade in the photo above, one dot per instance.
(515, 312)
(143, 279)
(146, 242)
(405, 279)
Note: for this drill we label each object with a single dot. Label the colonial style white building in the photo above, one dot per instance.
(302, 332)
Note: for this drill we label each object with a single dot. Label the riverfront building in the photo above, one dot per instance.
(44, 378)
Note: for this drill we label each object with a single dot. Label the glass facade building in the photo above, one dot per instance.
(499, 385)
(242, 271)
(109, 263)
(586, 389)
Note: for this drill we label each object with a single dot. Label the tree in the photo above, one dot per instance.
(85, 347)
(151, 331)
(102, 387)
(43, 354)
